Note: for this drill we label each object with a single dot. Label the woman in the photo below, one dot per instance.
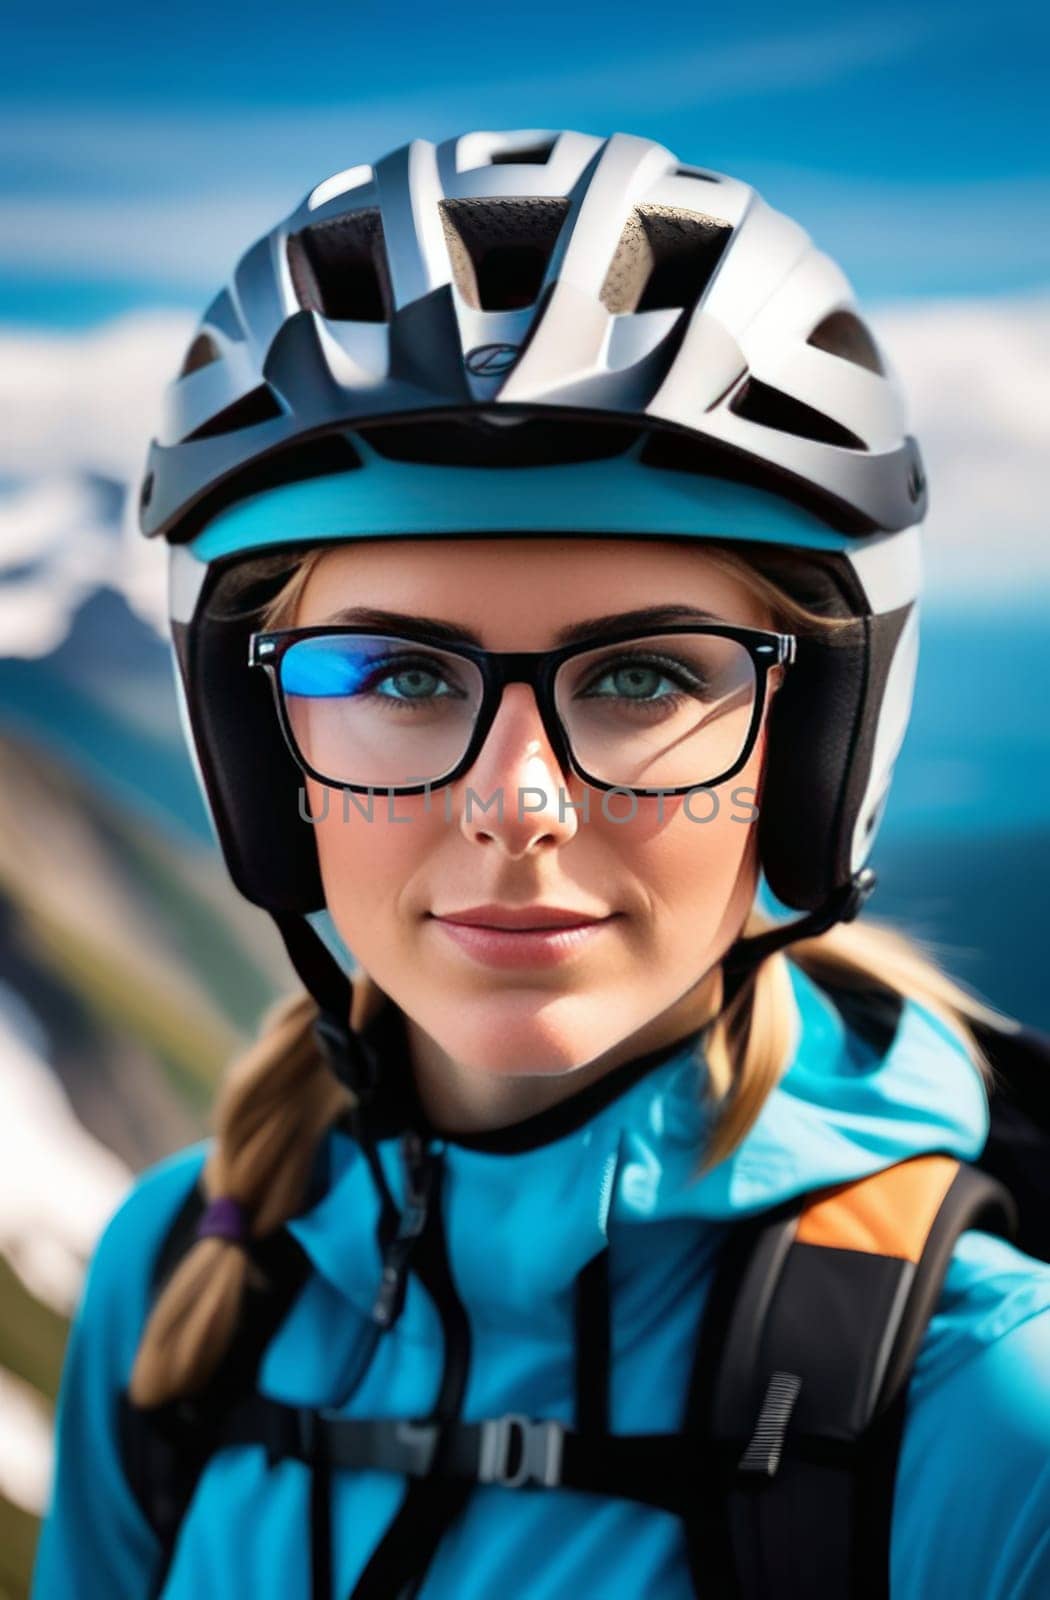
(648, 630)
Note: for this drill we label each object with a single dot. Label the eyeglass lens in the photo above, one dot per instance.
(665, 711)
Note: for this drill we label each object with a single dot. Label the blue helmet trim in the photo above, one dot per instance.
(390, 499)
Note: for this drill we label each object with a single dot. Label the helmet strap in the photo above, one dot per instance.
(350, 1058)
(745, 955)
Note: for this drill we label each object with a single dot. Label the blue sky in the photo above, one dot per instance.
(141, 148)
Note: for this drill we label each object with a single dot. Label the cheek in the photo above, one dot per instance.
(368, 847)
(700, 867)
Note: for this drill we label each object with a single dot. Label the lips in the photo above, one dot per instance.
(522, 919)
(521, 938)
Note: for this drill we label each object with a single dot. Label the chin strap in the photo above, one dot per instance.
(349, 1056)
(842, 905)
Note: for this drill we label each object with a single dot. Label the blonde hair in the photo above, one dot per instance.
(279, 1099)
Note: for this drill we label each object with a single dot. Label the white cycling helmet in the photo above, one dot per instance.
(543, 333)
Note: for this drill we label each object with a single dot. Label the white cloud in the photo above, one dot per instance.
(85, 401)
(173, 242)
(977, 373)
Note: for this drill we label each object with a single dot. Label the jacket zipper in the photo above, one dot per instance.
(421, 1164)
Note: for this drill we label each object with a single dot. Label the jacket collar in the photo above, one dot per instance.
(852, 1101)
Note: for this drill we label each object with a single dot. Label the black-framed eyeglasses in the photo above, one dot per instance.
(645, 712)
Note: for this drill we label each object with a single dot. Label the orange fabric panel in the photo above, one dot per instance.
(888, 1214)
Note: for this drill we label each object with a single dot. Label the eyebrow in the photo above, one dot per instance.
(574, 633)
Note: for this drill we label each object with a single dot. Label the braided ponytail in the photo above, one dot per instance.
(276, 1104)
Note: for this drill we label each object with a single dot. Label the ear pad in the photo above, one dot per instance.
(882, 704)
(821, 738)
(812, 725)
(254, 785)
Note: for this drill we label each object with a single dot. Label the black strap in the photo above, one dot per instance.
(1017, 1151)
(745, 954)
(513, 1451)
(348, 1053)
(708, 1543)
(399, 1236)
(320, 972)
(593, 1345)
(400, 1560)
(321, 1529)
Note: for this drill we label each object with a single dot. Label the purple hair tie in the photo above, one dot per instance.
(223, 1218)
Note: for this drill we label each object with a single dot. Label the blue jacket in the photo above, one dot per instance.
(522, 1216)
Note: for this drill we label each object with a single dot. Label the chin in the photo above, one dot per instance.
(522, 1036)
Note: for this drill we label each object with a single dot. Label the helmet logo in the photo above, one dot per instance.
(491, 360)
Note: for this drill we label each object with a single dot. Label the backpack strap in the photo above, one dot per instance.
(1017, 1151)
(165, 1448)
(800, 1380)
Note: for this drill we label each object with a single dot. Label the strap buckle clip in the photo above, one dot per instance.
(515, 1450)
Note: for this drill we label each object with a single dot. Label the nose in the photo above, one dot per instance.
(517, 794)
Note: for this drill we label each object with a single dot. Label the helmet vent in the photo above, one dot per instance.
(339, 268)
(532, 155)
(772, 408)
(844, 334)
(696, 172)
(474, 441)
(258, 405)
(500, 249)
(201, 353)
(664, 260)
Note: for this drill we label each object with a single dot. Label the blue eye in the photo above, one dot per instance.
(645, 678)
(417, 682)
(633, 683)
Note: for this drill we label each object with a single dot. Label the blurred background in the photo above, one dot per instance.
(140, 151)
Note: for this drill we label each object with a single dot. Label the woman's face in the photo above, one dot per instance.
(672, 890)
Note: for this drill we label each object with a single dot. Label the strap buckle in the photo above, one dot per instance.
(515, 1450)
